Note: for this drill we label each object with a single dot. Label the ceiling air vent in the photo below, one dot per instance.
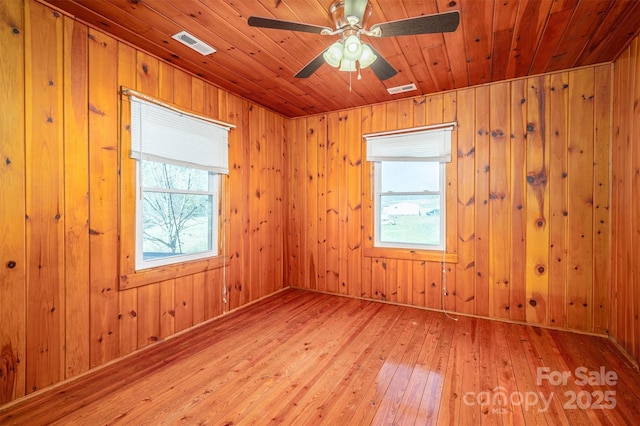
(194, 43)
(401, 89)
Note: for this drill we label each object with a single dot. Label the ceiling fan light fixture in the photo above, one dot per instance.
(352, 48)
(333, 55)
(367, 57)
(347, 65)
(350, 18)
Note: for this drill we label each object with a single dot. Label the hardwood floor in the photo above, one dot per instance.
(300, 357)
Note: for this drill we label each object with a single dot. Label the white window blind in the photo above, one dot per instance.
(422, 144)
(165, 135)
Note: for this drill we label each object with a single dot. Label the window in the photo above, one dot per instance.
(179, 159)
(176, 214)
(409, 187)
(409, 204)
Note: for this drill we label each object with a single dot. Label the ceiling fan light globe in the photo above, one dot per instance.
(367, 57)
(347, 65)
(333, 55)
(352, 48)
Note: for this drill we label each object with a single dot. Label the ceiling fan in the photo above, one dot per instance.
(349, 53)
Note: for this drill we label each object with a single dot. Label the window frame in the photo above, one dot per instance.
(449, 253)
(128, 276)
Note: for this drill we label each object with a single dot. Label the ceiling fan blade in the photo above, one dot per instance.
(278, 24)
(438, 23)
(381, 68)
(311, 67)
(355, 8)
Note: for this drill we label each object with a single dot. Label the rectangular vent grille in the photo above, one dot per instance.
(401, 89)
(193, 42)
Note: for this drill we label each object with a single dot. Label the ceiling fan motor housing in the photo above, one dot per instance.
(350, 24)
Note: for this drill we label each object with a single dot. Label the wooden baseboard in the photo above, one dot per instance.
(453, 313)
(626, 354)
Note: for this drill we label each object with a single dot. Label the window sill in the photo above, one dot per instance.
(408, 254)
(163, 273)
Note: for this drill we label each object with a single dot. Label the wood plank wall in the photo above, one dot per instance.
(531, 203)
(61, 310)
(625, 202)
(532, 197)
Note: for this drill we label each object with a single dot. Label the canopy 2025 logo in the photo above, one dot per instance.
(499, 398)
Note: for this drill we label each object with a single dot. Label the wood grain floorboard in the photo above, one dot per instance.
(301, 357)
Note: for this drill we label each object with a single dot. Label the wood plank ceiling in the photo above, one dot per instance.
(496, 40)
